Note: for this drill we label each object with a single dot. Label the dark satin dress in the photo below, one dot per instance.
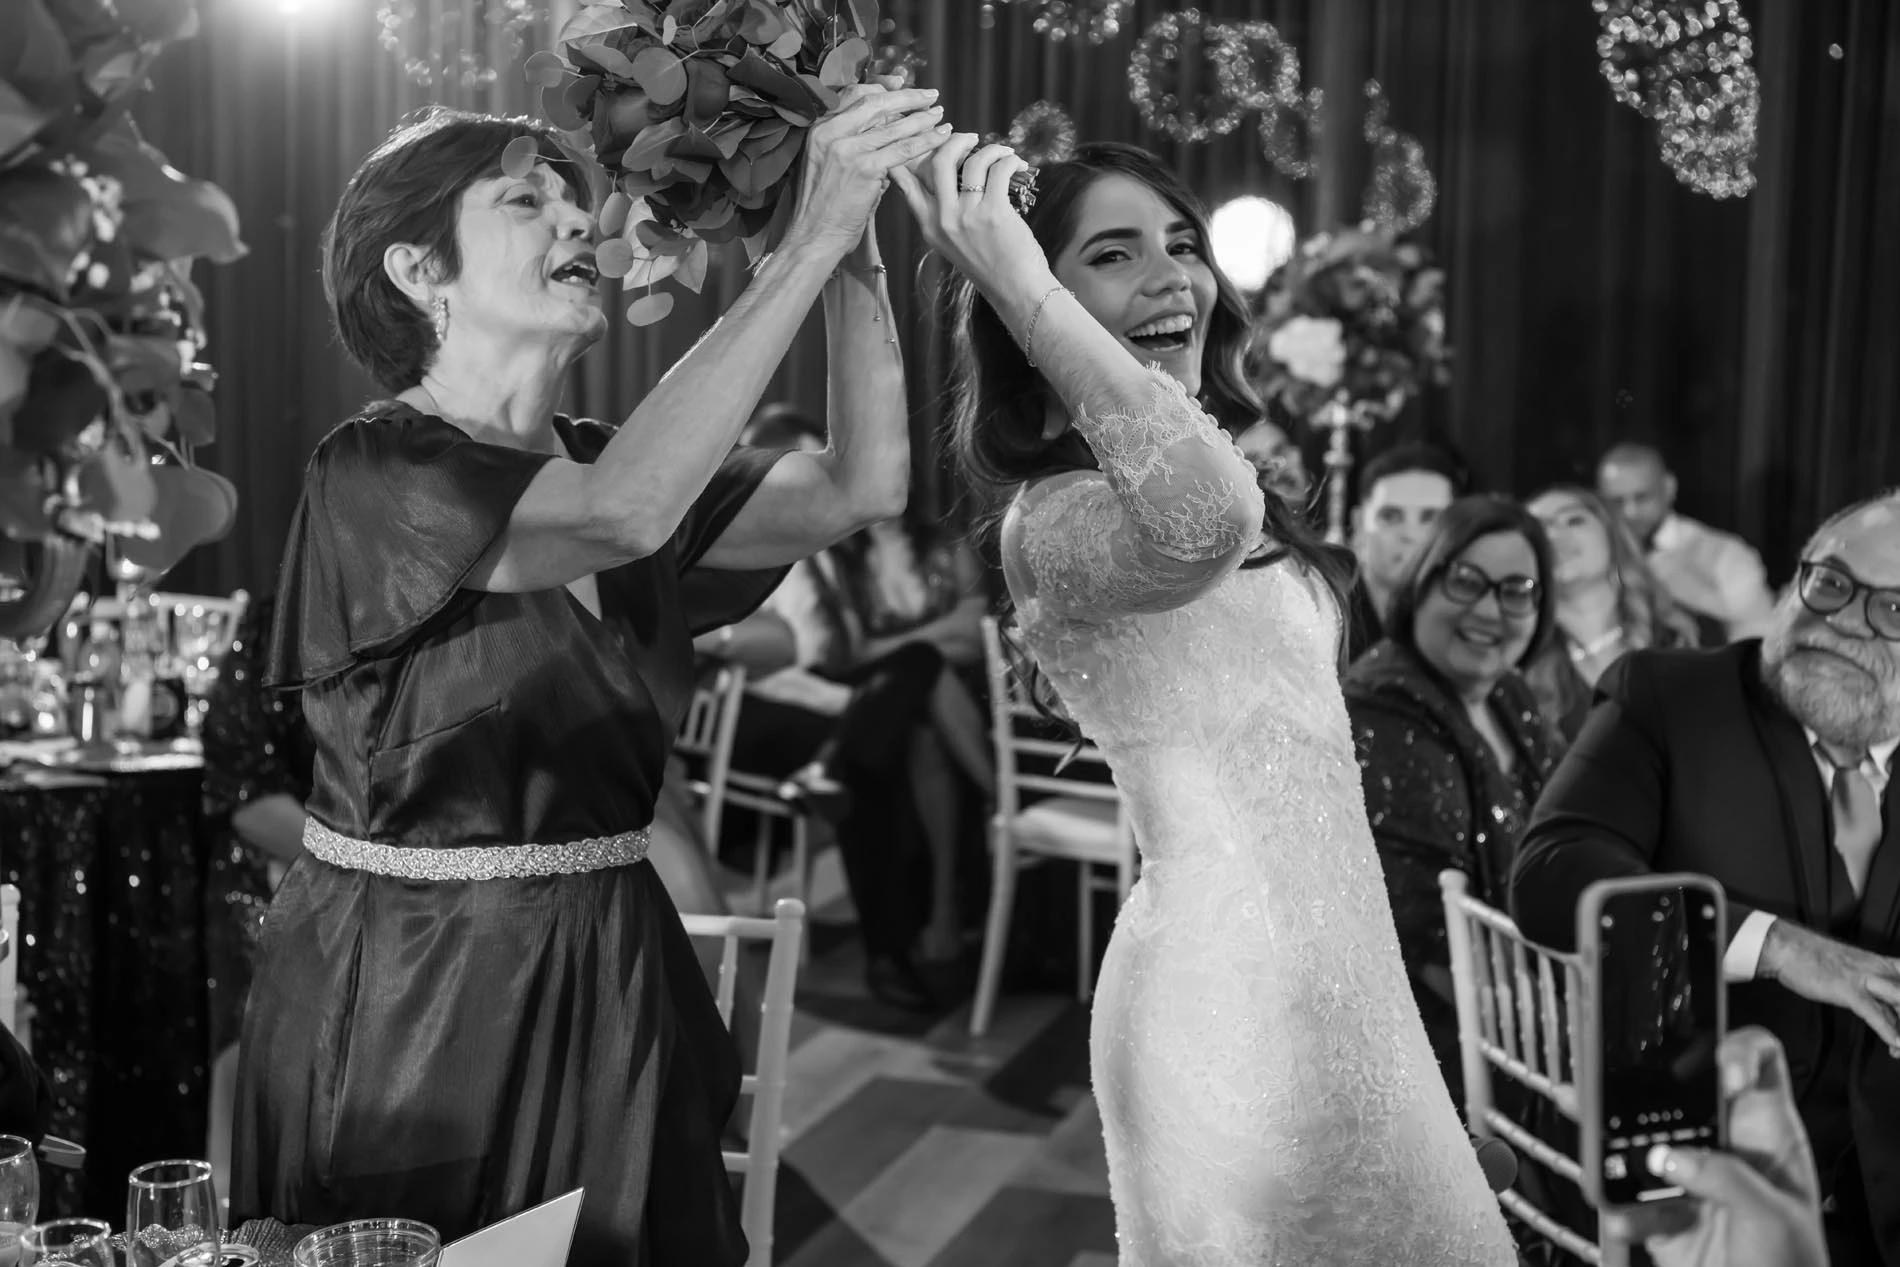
(458, 1051)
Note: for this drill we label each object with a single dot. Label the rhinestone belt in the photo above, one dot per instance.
(498, 862)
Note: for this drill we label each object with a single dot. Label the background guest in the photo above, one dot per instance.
(1764, 765)
(1608, 603)
(1278, 459)
(1718, 577)
(1451, 746)
(1402, 493)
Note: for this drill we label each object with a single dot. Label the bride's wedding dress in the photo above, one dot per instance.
(1267, 1093)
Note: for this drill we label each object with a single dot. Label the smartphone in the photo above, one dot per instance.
(1654, 1011)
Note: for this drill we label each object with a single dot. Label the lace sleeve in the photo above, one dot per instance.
(1175, 509)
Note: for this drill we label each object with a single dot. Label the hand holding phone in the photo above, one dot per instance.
(1654, 1012)
(1757, 1205)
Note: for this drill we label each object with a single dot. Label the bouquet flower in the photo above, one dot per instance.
(101, 389)
(1354, 321)
(698, 110)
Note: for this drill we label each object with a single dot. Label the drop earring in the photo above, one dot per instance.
(440, 307)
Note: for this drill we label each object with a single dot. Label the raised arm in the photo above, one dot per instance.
(573, 519)
(1189, 507)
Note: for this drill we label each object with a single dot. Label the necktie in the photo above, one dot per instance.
(1856, 806)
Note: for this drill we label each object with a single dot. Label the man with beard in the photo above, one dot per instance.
(1765, 764)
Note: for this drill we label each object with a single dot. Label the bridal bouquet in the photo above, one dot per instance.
(698, 110)
(1354, 321)
(102, 392)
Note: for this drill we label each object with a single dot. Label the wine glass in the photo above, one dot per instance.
(171, 1216)
(19, 1195)
(68, 1243)
(370, 1243)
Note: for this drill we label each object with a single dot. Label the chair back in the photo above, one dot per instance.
(758, 1164)
(705, 736)
(1027, 758)
(1519, 1015)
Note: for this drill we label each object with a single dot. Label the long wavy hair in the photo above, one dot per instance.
(997, 399)
(1648, 615)
(1643, 607)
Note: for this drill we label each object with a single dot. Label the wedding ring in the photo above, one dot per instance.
(969, 189)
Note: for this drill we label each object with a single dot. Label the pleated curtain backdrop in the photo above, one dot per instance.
(1592, 298)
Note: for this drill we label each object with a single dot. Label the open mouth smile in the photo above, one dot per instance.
(1164, 334)
(577, 272)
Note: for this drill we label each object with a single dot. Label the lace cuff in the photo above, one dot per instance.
(1190, 493)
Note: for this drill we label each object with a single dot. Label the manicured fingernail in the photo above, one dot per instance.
(1660, 1160)
(932, 93)
(945, 127)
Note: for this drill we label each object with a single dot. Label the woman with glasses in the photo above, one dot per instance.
(1452, 747)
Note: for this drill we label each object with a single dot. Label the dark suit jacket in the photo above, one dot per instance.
(1689, 764)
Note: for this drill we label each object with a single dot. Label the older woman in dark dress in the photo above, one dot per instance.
(1451, 744)
(473, 993)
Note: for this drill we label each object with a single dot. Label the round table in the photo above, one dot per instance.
(106, 852)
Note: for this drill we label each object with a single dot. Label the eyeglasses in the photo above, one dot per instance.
(1826, 589)
(1467, 585)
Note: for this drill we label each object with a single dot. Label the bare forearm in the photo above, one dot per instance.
(272, 825)
(1086, 365)
(668, 448)
(869, 415)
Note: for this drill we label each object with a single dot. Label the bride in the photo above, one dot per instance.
(1267, 1092)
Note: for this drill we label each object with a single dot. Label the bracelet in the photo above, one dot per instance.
(872, 270)
(1029, 337)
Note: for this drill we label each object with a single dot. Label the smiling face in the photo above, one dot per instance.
(1834, 674)
(1139, 266)
(527, 263)
(1579, 540)
(1474, 644)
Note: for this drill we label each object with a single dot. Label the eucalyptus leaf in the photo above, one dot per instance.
(557, 103)
(159, 21)
(763, 23)
(613, 213)
(651, 270)
(117, 483)
(650, 147)
(195, 507)
(820, 92)
(195, 417)
(52, 566)
(591, 22)
(650, 309)
(669, 29)
(544, 69)
(844, 65)
(614, 258)
(692, 272)
(609, 59)
(20, 119)
(660, 74)
(787, 46)
(519, 158)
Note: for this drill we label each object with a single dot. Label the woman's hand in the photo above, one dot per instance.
(961, 200)
(849, 158)
(1757, 1205)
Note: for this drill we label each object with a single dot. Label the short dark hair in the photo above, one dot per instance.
(1463, 522)
(410, 190)
(1403, 459)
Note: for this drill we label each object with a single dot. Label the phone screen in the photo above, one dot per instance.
(1659, 983)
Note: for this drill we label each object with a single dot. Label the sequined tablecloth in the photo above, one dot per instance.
(112, 960)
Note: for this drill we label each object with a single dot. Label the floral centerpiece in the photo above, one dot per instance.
(1353, 327)
(698, 110)
(102, 393)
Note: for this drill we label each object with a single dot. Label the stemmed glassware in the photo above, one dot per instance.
(171, 1216)
(19, 1195)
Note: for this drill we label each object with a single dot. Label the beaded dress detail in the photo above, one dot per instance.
(1267, 1092)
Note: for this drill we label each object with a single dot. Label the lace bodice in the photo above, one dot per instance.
(1267, 1092)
